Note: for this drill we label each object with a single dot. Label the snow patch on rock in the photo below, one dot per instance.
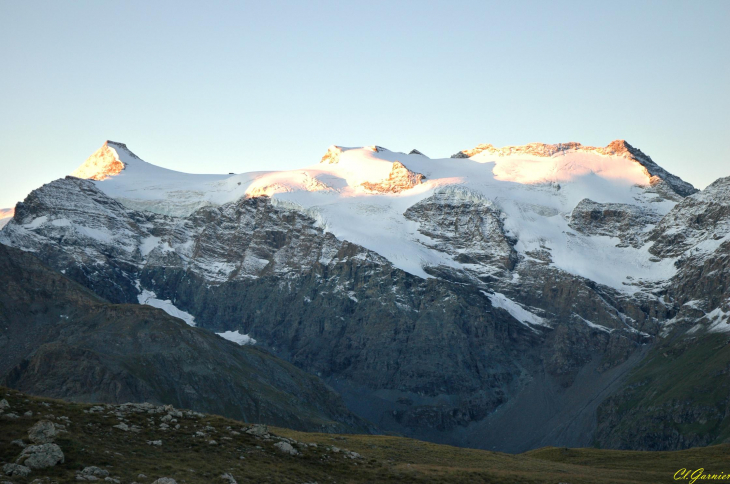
(150, 299)
(236, 337)
(515, 309)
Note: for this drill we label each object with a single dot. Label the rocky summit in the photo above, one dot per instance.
(504, 298)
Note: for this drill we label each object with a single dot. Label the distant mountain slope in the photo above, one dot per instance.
(60, 340)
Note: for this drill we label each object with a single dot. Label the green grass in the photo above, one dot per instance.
(91, 440)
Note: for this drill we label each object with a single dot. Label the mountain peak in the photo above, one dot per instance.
(655, 172)
(107, 161)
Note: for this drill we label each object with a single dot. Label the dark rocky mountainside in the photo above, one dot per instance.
(60, 340)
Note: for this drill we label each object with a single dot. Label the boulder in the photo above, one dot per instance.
(15, 470)
(228, 478)
(42, 432)
(286, 448)
(93, 471)
(258, 430)
(41, 456)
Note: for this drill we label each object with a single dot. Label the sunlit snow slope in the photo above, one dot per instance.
(361, 195)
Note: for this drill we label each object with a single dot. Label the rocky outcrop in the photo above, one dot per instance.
(455, 220)
(333, 154)
(399, 179)
(700, 218)
(628, 223)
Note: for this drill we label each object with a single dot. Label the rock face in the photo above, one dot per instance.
(509, 335)
(620, 220)
(78, 347)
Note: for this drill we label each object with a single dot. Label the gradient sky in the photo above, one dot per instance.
(210, 87)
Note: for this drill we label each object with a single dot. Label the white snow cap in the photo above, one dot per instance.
(361, 195)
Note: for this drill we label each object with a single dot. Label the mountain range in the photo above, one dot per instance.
(503, 298)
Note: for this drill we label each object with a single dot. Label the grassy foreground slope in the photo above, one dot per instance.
(205, 447)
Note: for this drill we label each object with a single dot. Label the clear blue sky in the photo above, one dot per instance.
(241, 86)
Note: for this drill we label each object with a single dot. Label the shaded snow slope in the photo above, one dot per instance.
(362, 194)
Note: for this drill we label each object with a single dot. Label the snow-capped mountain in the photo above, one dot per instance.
(440, 297)
(369, 196)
